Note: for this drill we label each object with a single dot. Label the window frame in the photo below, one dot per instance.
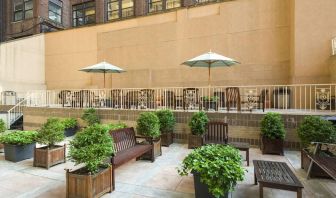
(23, 10)
(60, 6)
(83, 9)
(164, 6)
(119, 10)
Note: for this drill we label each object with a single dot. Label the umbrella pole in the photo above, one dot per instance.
(209, 80)
(104, 80)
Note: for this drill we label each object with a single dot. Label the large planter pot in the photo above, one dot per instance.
(16, 153)
(47, 157)
(194, 141)
(166, 139)
(316, 171)
(202, 190)
(70, 131)
(272, 146)
(80, 185)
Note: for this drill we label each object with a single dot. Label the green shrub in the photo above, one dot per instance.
(315, 129)
(167, 120)
(19, 137)
(219, 167)
(272, 126)
(92, 146)
(69, 123)
(148, 124)
(198, 123)
(51, 132)
(90, 116)
(2, 126)
(109, 127)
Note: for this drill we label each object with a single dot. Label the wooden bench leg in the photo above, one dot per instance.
(248, 157)
(113, 178)
(299, 193)
(261, 194)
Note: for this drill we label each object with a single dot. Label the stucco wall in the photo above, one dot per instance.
(22, 64)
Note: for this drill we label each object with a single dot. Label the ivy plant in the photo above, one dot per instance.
(90, 116)
(51, 132)
(272, 126)
(219, 167)
(69, 123)
(167, 120)
(148, 124)
(91, 147)
(198, 123)
(2, 126)
(19, 137)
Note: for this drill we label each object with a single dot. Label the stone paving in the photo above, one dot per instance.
(145, 179)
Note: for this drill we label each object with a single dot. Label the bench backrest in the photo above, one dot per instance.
(123, 139)
(217, 132)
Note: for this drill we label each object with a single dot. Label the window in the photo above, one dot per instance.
(158, 5)
(119, 9)
(55, 10)
(22, 9)
(173, 4)
(84, 13)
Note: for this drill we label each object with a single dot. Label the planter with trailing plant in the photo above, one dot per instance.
(197, 124)
(148, 126)
(216, 170)
(2, 130)
(91, 147)
(272, 134)
(315, 129)
(70, 126)
(18, 145)
(51, 133)
(90, 116)
(167, 124)
(210, 103)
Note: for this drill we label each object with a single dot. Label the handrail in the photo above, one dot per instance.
(15, 112)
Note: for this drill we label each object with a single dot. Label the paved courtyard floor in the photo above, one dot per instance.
(145, 179)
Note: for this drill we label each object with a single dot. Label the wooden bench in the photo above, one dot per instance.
(275, 175)
(126, 148)
(327, 164)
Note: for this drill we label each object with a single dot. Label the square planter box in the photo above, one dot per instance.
(316, 170)
(166, 139)
(16, 153)
(70, 131)
(194, 141)
(201, 189)
(88, 186)
(157, 149)
(46, 157)
(270, 146)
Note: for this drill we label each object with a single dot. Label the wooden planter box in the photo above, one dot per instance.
(166, 139)
(1, 146)
(194, 141)
(88, 186)
(45, 157)
(16, 153)
(270, 146)
(157, 149)
(316, 170)
(70, 131)
(202, 190)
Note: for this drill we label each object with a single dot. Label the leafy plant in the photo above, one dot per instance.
(92, 146)
(219, 167)
(90, 116)
(69, 123)
(167, 120)
(2, 126)
(109, 127)
(51, 132)
(148, 124)
(211, 99)
(19, 137)
(315, 129)
(198, 123)
(272, 126)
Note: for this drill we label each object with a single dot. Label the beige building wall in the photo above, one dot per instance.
(151, 48)
(22, 64)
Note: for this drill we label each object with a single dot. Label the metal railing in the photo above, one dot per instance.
(15, 113)
(308, 98)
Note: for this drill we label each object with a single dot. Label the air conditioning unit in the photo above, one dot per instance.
(333, 45)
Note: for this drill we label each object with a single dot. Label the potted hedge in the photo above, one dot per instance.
(167, 124)
(2, 130)
(216, 169)
(272, 134)
(18, 145)
(90, 116)
(91, 147)
(51, 133)
(148, 126)
(197, 124)
(210, 102)
(315, 129)
(70, 126)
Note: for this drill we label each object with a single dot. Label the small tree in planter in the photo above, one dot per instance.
(167, 124)
(272, 134)
(51, 133)
(90, 117)
(70, 126)
(315, 129)
(148, 125)
(19, 145)
(216, 170)
(91, 147)
(197, 124)
(2, 129)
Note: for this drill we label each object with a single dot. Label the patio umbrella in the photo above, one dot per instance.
(104, 68)
(210, 60)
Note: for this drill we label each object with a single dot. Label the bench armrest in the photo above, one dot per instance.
(323, 143)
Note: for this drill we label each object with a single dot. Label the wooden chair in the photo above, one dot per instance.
(169, 99)
(221, 98)
(190, 98)
(217, 133)
(131, 99)
(233, 98)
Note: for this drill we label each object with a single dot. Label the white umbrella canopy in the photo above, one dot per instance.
(103, 67)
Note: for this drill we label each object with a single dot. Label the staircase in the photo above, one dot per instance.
(15, 116)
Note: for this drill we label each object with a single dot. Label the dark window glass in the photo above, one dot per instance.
(22, 9)
(119, 9)
(55, 11)
(158, 5)
(84, 13)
